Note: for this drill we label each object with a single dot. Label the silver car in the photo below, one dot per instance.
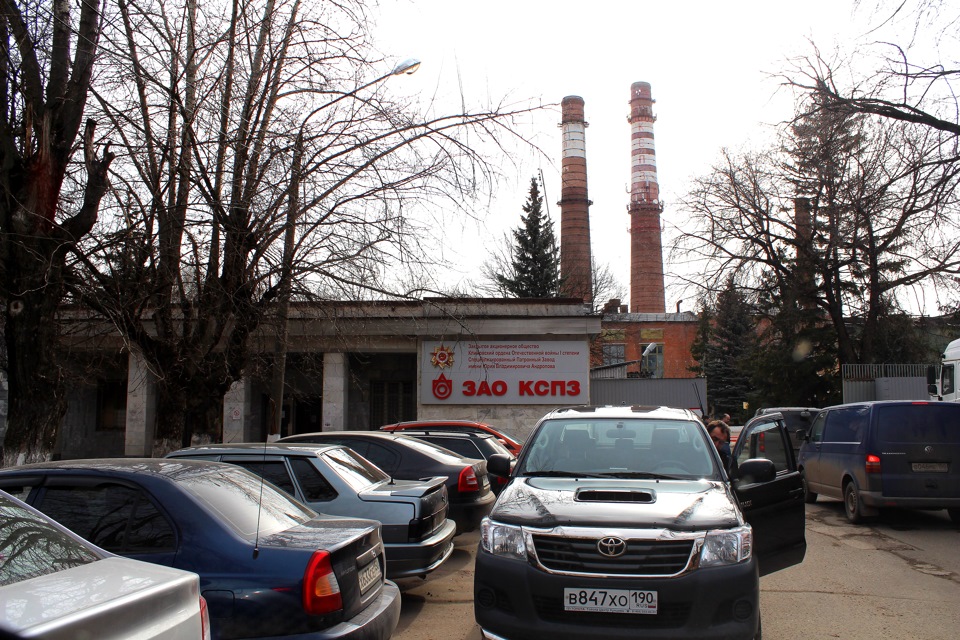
(336, 480)
(54, 584)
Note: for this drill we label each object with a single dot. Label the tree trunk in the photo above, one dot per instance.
(36, 393)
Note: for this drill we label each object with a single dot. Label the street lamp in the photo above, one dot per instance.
(407, 67)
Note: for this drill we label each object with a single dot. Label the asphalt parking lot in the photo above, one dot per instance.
(898, 577)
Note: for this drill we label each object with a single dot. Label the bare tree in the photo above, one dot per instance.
(876, 217)
(53, 178)
(263, 161)
(905, 85)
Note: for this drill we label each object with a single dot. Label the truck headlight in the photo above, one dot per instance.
(727, 546)
(502, 540)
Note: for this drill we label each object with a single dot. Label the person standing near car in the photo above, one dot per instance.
(720, 434)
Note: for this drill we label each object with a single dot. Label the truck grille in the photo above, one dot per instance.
(642, 557)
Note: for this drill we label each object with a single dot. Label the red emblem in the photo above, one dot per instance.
(442, 387)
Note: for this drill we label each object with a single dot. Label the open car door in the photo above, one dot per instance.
(774, 507)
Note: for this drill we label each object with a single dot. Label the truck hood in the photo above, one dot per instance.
(677, 505)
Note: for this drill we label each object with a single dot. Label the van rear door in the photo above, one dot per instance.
(919, 449)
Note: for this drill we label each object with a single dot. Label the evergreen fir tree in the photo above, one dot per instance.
(535, 262)
(728, 356)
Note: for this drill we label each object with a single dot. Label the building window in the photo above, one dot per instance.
(614, 354)
(651, 362)
(111, 405)
(391, 402)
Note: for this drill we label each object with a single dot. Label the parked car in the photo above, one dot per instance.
(894, 453)
(470, 444)
(797, 418)
(619, 522)
(335, 479)
(55, 584)
(405, 458)
(268, 565)
(511, 442)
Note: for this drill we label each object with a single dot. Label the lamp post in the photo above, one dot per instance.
(406, 67)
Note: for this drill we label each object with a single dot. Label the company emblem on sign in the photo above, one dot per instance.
(442, 387)
(442, 357)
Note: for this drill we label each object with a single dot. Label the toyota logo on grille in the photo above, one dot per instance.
(611, 547)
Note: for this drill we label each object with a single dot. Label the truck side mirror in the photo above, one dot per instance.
(932, 389)
(756, 470)
(931, 378)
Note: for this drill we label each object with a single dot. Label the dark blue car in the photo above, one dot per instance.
(269, 566)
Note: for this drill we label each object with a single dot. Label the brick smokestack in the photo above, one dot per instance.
(805, 280)
(646, 252)
(574, 206)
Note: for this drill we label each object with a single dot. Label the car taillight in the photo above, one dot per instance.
(321, 592)
(873, 464)
(204, 620)
(468, 480)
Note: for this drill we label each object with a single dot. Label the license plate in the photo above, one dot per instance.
(610, 601)
(369, 576)
(935, 467)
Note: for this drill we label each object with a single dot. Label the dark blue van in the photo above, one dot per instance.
(880, 454)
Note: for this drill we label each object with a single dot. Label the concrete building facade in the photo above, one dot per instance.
(361, 365)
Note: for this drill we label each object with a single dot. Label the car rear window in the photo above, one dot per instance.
(245, 503)
(919, 423)
(30, 547)
(356, 471)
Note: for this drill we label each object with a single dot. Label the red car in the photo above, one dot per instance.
(510, 442)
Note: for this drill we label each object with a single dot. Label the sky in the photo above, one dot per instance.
(710, 65)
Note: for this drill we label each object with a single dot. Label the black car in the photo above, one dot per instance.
(620, 522)
(468, 444)
(797, 419)
(405, 458)
(335, 479)
(268, 565)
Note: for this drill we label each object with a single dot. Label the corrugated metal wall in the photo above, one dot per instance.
(685, 393)
(864, 382)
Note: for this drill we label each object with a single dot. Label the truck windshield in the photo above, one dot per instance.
(620, 448)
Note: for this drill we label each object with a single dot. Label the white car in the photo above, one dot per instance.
(54, 584)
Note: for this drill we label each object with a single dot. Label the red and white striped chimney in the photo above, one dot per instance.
(574, 206)
(646, 251)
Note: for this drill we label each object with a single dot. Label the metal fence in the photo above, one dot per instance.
(685, 393)
(863, 382)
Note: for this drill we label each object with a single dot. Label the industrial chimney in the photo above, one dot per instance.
(574, 206)
(646, 253)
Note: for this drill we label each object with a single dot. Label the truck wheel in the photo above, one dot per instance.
(808, 496)
(851, 503)
(954, 514)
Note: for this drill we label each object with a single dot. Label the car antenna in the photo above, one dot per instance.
(256, 539)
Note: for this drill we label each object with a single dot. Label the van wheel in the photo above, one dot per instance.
(851, 503)
(808, 496)
(954, 514)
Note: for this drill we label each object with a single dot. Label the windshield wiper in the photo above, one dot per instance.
(561, 474)
(642, 474)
